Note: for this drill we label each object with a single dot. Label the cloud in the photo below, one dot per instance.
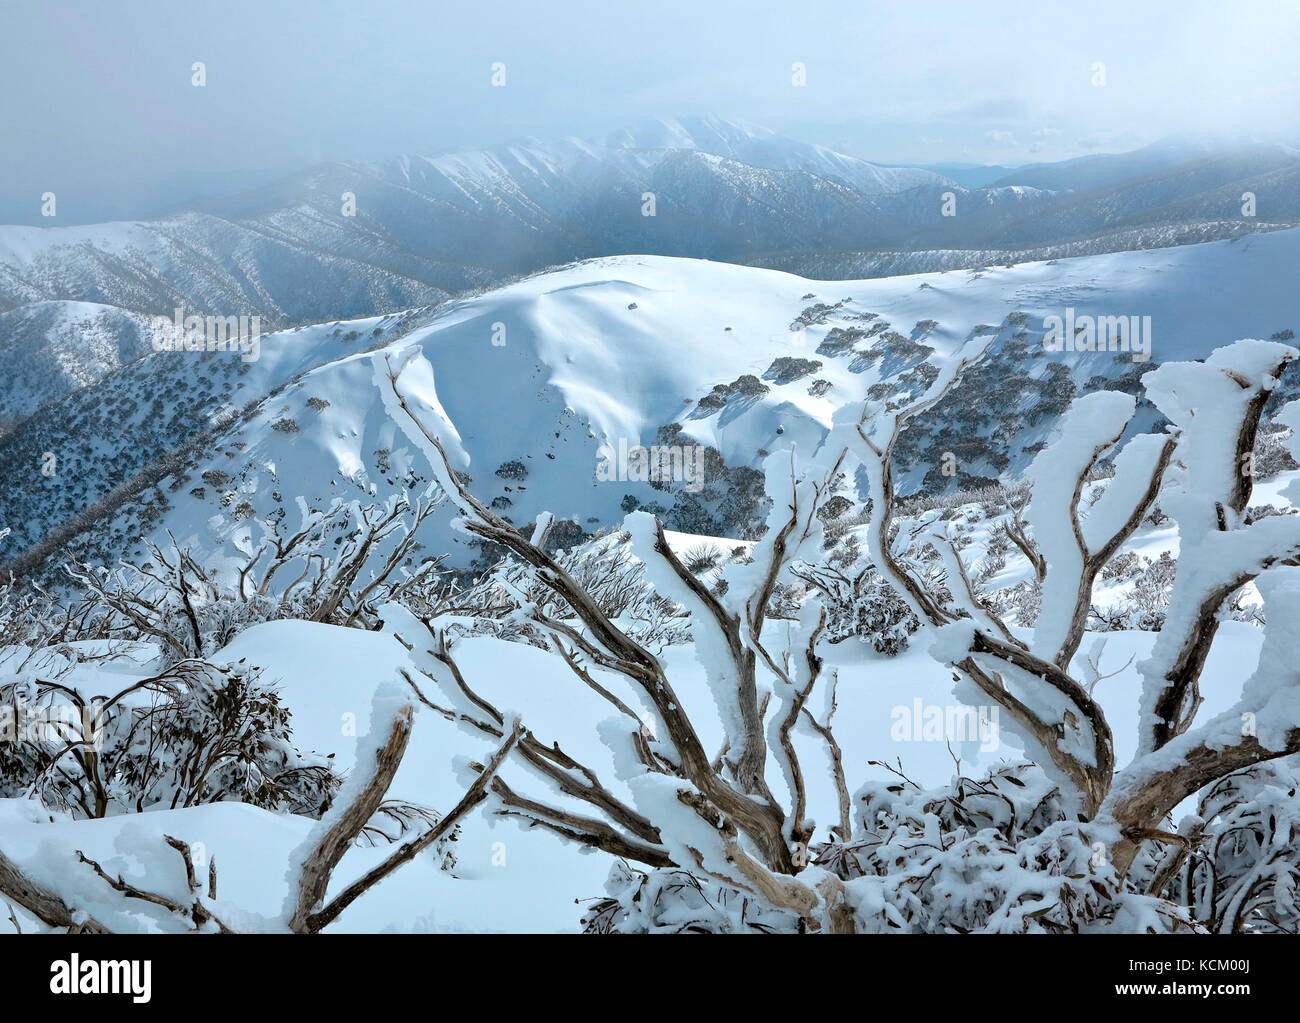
(996, 108)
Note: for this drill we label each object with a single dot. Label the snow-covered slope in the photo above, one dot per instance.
(49, 349)
(611, 351)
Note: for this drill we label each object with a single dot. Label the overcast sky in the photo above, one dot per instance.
(97, 105)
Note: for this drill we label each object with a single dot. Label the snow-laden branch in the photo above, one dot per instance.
(764, 842)
(1052, 712)
(1075, 547)
(1263, 725)
(379, 753)
(1216, 406)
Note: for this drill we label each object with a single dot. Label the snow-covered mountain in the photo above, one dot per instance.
(760, 147)
(351, 240)
(49, 349)
(427, 225)
(636, 350)
(1204, 187)
(545, 383)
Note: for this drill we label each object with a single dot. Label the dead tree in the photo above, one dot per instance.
(183, 605)
(718, 816)
(1205, 465)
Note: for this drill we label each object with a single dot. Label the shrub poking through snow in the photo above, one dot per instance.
(195, 733)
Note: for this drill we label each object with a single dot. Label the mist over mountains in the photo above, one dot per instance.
(346, 242)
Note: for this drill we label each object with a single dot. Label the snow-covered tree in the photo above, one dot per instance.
(1205, 465)
(720, 820)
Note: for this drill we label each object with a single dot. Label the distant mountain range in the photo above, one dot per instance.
(76, 303)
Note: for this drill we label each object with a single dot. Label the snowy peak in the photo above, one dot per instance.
(712, 134)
